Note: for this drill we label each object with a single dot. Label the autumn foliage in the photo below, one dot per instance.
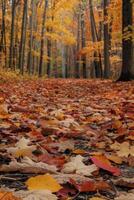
(66, 139)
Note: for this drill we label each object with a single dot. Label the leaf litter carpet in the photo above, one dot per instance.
(66, 139)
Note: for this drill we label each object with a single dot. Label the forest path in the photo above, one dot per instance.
(79, 129)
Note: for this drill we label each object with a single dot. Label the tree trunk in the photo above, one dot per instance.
(49, 57)
(42, 38)
(29, 64)
(12, 35)
(127, 44)
(97, 55)
(106, 42)
(77, 67)
(63, 54)
(23, 38)
(83, 39)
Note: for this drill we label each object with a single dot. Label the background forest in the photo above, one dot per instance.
(66, 38)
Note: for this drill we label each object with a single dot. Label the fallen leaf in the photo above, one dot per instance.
(28, 166)
(77, 166)
(64, 178)
(8, 196)
(126, 196)
(102, 162)
(125, 182)
(43, 182)
(51, 160)
(124, 149)
(114, 158)
(90, 186)
(79, 151)
(21, 148)
(96, 198)
(36, 195)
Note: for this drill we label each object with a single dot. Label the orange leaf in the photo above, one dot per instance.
(8, 196)
(90, 186)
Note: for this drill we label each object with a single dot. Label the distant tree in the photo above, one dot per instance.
(127, 44)
(77, 66)
(29, 62)
(42, 38)
(83, 45)
(12, 34)
(95, 38)
(23, 37)
(106, 42)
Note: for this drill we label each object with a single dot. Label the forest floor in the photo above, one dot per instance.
(66, 139)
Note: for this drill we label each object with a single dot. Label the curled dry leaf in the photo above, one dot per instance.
(102, 162)
(43, 182)
(77, 166)
(90, 186)
(28, 166)
(36, 195)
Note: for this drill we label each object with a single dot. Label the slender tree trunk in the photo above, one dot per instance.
(49, 57)
(97, 55)
(29, 64)
(23, 38)
(55, 60)
(77, 67)
(3, 47)
(127, 44)
(42, 38)
(83, 39)
(12, 35)
(106, 42)
(63, 54)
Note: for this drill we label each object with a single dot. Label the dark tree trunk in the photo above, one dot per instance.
(12, 35)
(83, 39)
(77, 67)
(29, 63)
(55, 60)
(23, 38)
(42, 38)
(95, 38)
(127, 44)
(106, 42)
(3, 47)
(49, 57)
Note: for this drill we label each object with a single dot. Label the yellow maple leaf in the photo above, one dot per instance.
(43, 182)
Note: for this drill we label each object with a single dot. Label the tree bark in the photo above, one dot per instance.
(23, 38)
(12, 35)
(42, 38)
(83, 40)
(97, 64)
(29, 64)
(77, 67)
(106, 42)
(127, 44)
